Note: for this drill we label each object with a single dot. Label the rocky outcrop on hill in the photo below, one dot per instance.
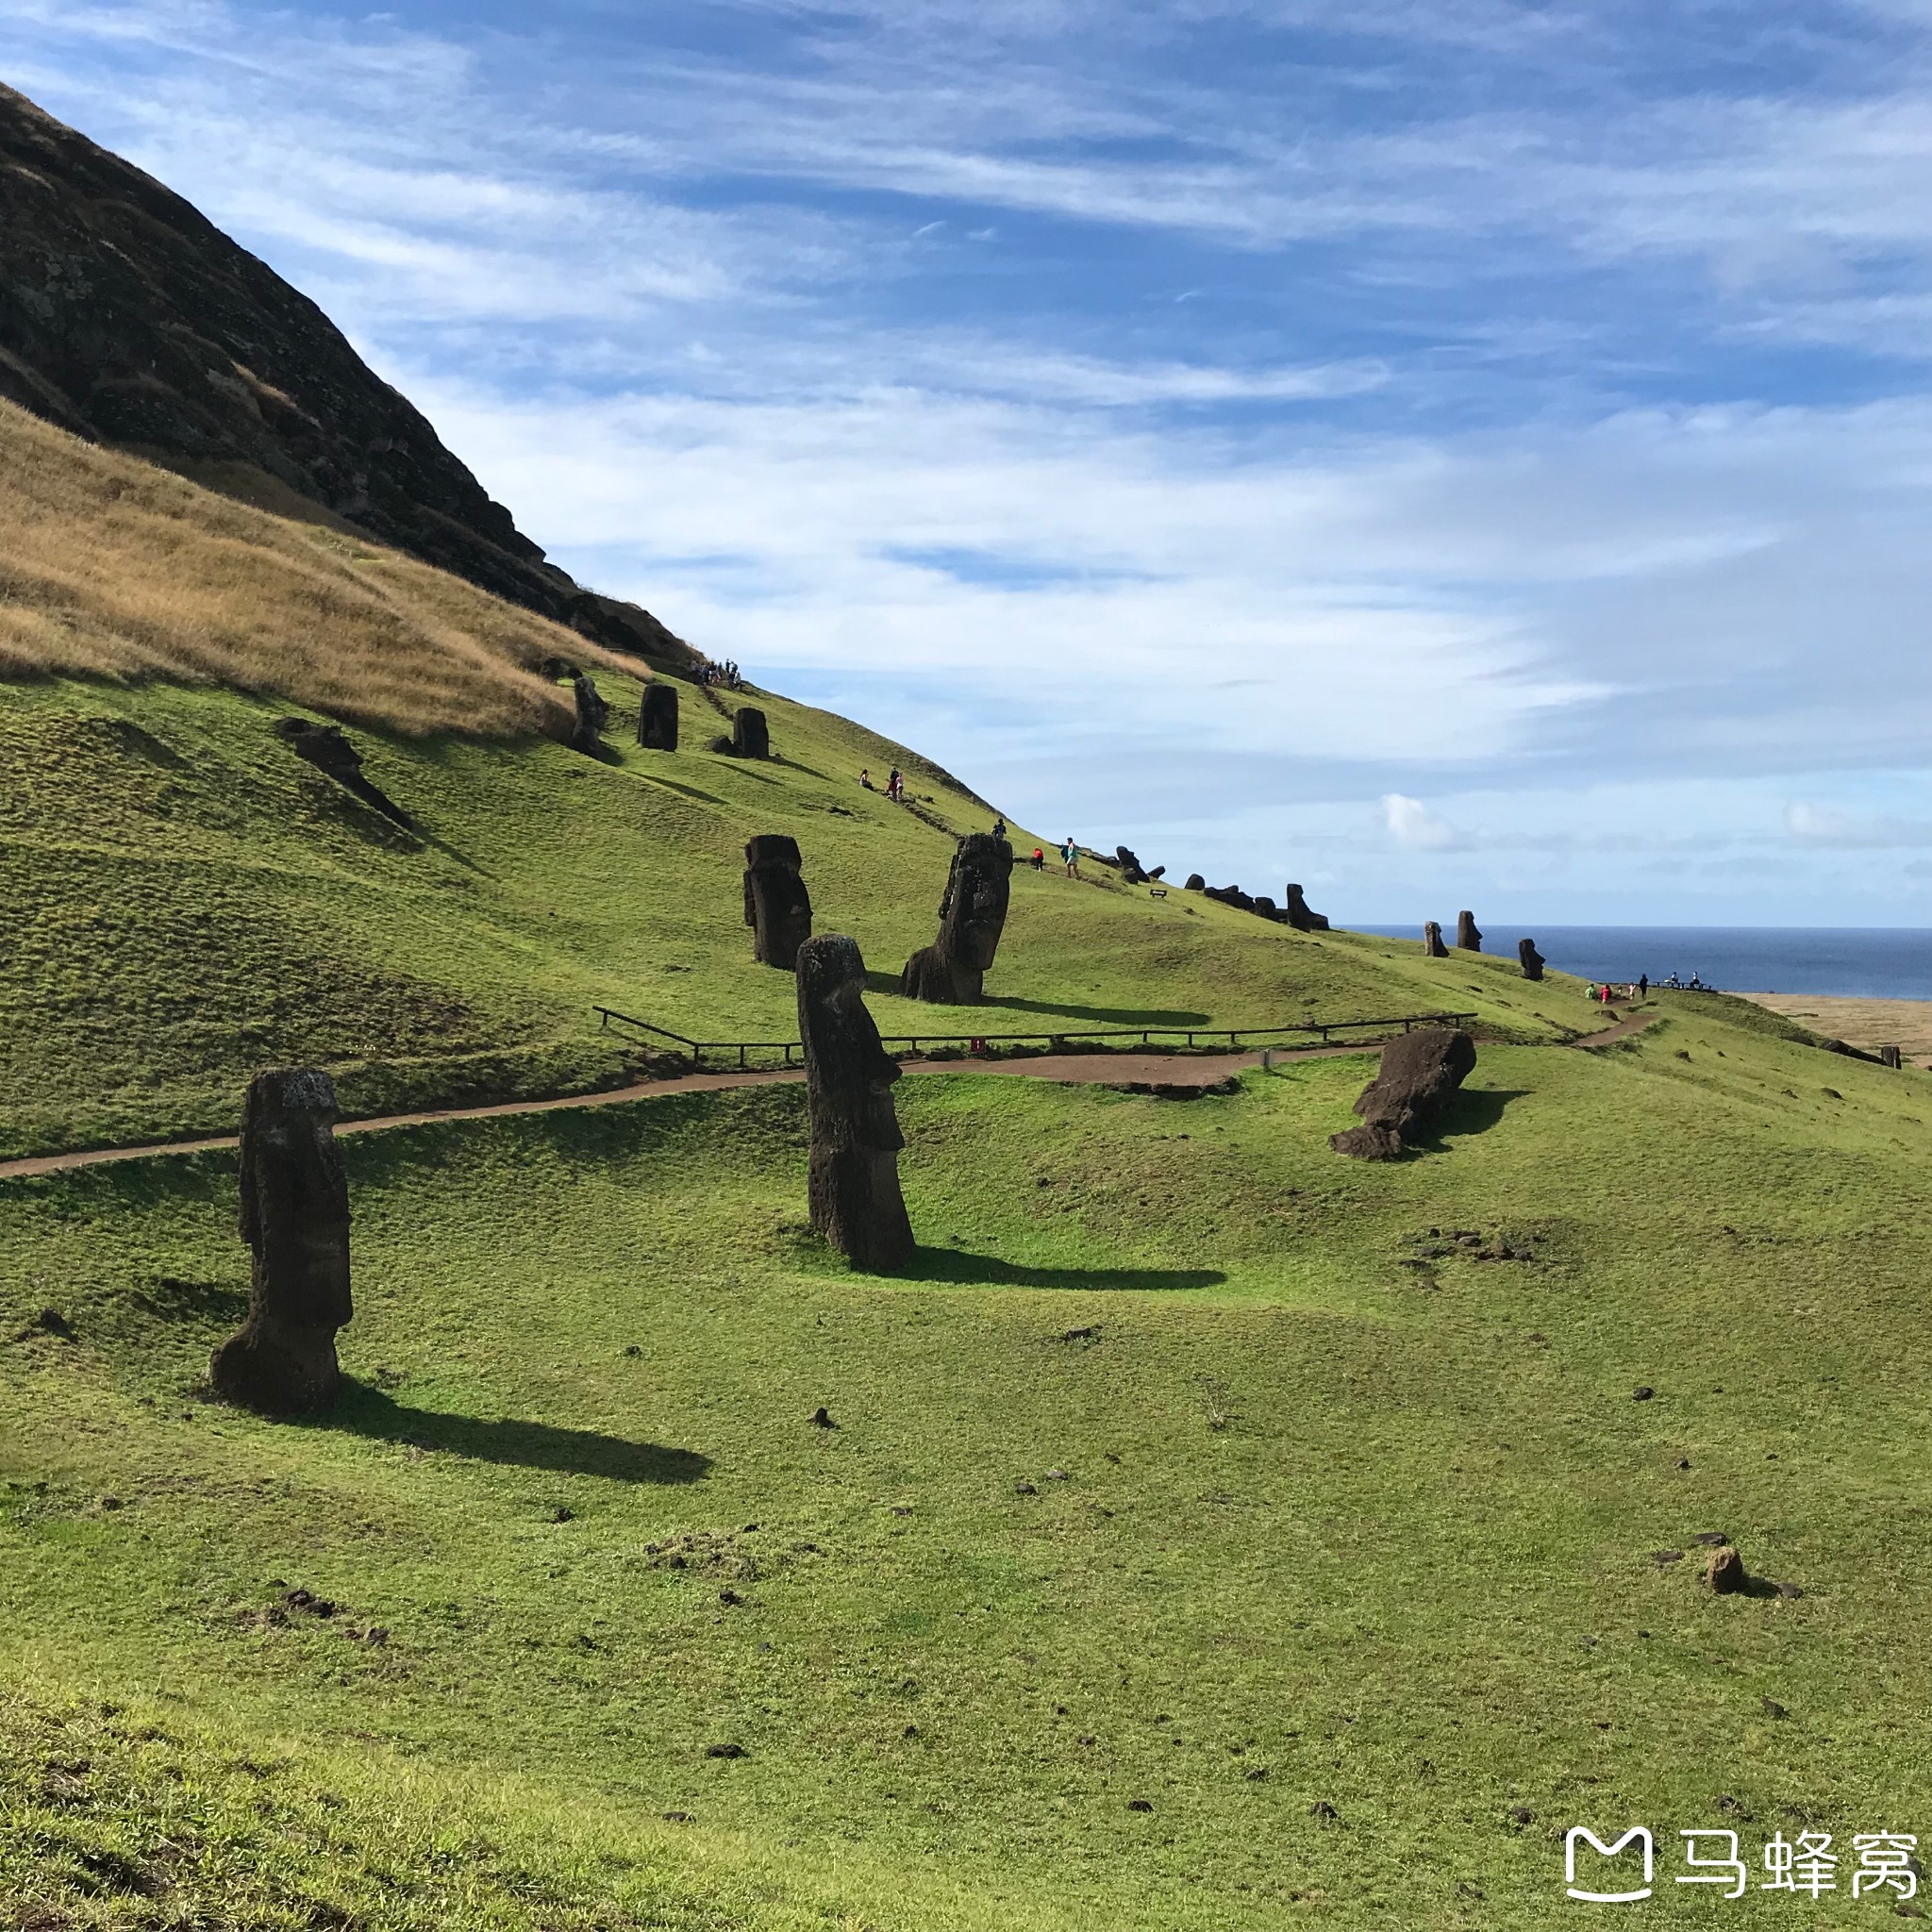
(129, 319)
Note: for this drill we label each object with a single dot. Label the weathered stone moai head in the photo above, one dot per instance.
(295, 1218)
(1132, 872)
(749, 737)
(973, 915)
(1195, 883)
(657, 717)
(1432, 941)
(853, 1171)
(1468, 938)
(1419, 1075)
(593, 714)
(1532, 961)
(1295, 909)
(777, 908)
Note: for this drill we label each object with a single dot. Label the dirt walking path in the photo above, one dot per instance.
(1081, 1069)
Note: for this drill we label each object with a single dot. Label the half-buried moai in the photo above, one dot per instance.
(749, 737)
(952, 971)
(854, 1174)
(1532, 961)
(777, 908)
(657, 717)
(1432, 940)
(1295, 909)
(593, 714)
(1419, 1075)
(1469, 938)
(295, 1217)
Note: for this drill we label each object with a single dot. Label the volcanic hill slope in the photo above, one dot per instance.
(1214, 1531)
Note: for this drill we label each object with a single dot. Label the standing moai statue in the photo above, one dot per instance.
(295, 1217)
(657, 717)
(777, 908)
(593, 714)
(749, 737)
(952, 971)
(1297, 910)
(1468, 938)
(854, 1173)
(1890, 1057)
(1432, 941)
(1532, 961)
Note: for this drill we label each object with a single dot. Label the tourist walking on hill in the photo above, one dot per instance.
(1039, 860)
(895, 787)
(1643, 986)
(1070, 858)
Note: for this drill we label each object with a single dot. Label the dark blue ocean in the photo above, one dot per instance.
(1863, 962)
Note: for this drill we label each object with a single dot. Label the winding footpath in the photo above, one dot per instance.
(1078, 1069)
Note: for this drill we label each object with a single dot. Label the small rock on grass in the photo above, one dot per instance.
(1725, 1573)
(1643, 1393)
(724, 1751)
(1025, 1489)
(1139, 1805)
(821, 1419)
(1324, 1811)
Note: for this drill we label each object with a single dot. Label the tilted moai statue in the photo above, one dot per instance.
(777, 908)
(1432, 941)
(952, 971)
(854, 1179)
(593, 714)
(295, 1217)
(749, 737)
(1532, 961)
(1297, 910)
(1468, 938)
(1420, 1074)
(657, 717)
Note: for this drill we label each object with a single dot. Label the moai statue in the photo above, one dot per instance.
(749, 737)
(1468, 939)
(295, 1217)
(1532, 959)
(952, 971)
(657, 717)
(1295, 909)
(1195, 883)
(854, 1173)
(593, 714)
(1420, 1074)
(777, 908)
(1432, 941)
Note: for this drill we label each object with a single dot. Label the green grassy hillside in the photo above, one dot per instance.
(1351, 1515)
(188, 901)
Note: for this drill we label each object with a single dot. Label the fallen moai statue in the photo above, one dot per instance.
(854, 1168)
(1432, 941)
(295, 1218)
(1468, 938)
(1231, 895)
(1419, 1077)
(1131, 871)
(777, 908)
(593, 714)
(1265, 907)
(1533, 961)
(657, 717)
(749, 738)
(973, 915)
(328, 749)
(1195, 883)
(1297, 910)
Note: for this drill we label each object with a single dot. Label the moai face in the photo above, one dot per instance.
(777, 908)
(974, 912)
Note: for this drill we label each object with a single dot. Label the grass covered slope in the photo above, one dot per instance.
(190, 902)
(1381, 1532)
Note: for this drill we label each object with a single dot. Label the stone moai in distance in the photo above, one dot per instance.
(593, 714)
(657, 717)
(1299, 914)
(777, 908)
(749, 737)
(295, 1218)
(1432, 941)
(1532, 959)
(853, 1171)
(952, 971)
(1469, 938)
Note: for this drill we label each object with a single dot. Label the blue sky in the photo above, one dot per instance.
(1446, 453)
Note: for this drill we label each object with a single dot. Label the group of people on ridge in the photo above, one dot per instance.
(896, 785)
(719, 676)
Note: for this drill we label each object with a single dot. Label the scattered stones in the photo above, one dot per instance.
(1256, 1774)
(562, 1514)
(1725, 1573)
(1432, 941)
(1663, 1557)
(1296, 911)
(854, 1166)
(1024, 1487)
(657, 716)
(1469, 938)
(1139, 1805)
(52, 1322)
(1420, 1074)
(1709, 1539)
(1643, 1393)
(1789, 1592)
(1533, 961)
(725, 1751)
(1772, 1707)
(777, 908)
(1089, 1333)
(593, 714)
(1056, 1475)
(973, 915)
(1324, 1811)
(1522, 1814)
(295, 1218)
(821, 1418)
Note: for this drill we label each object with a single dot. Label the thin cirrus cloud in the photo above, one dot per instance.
(1344, 425)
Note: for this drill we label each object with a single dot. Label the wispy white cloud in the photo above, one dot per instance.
(1414, 826)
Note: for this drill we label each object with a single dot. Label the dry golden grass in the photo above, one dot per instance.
(1871, 1024)
(113, 568)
